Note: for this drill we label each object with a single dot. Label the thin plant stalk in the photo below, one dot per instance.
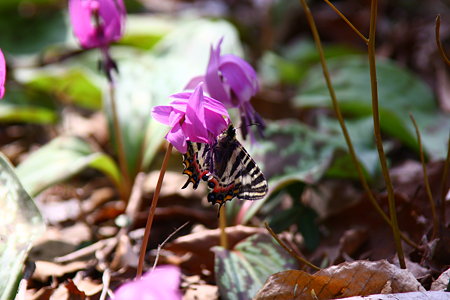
(377, 132)
(426, 181)
(438, 41)
(366, 40)
(151, 214)
(125, 188)
(444, 190)
(341, 121)
(291, 252)
(223, 226)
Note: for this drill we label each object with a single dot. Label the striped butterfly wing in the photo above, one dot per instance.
(196, 163)
(233, 172)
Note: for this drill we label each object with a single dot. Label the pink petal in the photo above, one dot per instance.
(215, 87)
(194, 82)
(162, 283)
(2, 74)
(177, 138)
(240, 76)
(161, 113)
(112, 19)
(195, 126)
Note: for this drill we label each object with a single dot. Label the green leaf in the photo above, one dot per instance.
(148, 79)
(20, 225)
(61, 159)
(400, 92)
(241, 272)
(27, 105)
(32, 34)
(70, 86)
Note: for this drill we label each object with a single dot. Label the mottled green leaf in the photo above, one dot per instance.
(70, 86)
(241, 272)
(20, 224)
(400, 92)
(61, 159)
(27, 105)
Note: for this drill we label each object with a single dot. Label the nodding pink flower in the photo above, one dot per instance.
(233, 81)
(97, 23)
(192, 117)
(2, 74)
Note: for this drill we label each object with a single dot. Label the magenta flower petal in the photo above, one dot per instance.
(2, 74)
(195, 126)
(162, 283)
(177, 138)
(192, 117)
(109, 28)
(213, 81)
(194, 82)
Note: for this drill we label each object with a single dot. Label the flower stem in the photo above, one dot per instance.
(340, 118)
(438, 41)
(151, 214)
(223, 226)
(426, 181)
(444, 190)
(377, 132)
(291, 252)
(347, 21)
(125, 188)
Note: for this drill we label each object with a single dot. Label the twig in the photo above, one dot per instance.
(438, 41)
(426, 181)
(347, 21)
(340, 118)
(106, 279)
(291, 252)
(223, 226)
(377, 132)
(151, 214)
(160, 246)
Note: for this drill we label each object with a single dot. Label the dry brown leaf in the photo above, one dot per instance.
(359, 278)
(201, 291)
(45, 270)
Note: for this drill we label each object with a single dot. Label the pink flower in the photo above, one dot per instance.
(2, 74)
(233, 81)
(97, 23)
(192, 116)
(161, 283)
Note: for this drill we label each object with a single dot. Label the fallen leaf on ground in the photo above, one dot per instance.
(359, 278)
(442, 282)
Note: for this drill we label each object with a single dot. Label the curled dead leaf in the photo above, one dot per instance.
(359, 278)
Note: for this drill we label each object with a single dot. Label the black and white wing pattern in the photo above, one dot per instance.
(227, 167)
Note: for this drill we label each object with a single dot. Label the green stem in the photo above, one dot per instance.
(151, 214)
(444, 190)
(340, 118)
(377, 132)
(297, 257)
(438, 41)
(223, 226)
(425, 178)
(347, 21)
(125, 188)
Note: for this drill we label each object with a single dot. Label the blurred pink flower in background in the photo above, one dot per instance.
(192, 116)
(2, 74)
(97, 23)
(161, 283)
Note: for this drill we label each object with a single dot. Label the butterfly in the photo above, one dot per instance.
(227, 167)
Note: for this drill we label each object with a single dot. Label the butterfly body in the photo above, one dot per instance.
(227, 167)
